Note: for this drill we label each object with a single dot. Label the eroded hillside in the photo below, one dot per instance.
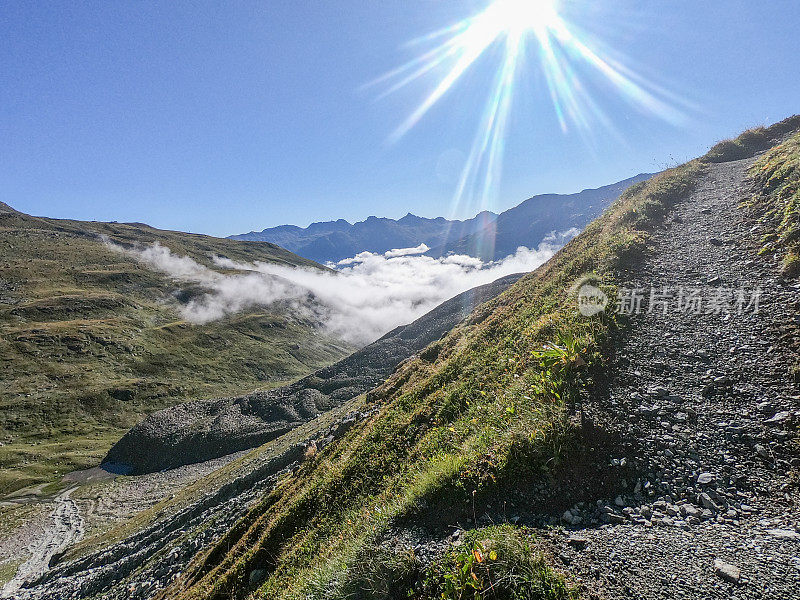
(534, 451)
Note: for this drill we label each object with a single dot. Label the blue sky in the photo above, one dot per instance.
(225, 117)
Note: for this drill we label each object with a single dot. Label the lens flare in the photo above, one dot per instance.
(568, 65)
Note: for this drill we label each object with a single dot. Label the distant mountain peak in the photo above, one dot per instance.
(524, 225)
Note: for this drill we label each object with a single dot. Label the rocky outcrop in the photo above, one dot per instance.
(142, 564)
(202, 430)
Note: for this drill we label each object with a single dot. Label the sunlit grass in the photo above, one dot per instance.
(777, 177)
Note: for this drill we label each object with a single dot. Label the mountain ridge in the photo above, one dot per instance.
(332, 241)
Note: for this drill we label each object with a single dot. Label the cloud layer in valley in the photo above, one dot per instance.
(364, 298)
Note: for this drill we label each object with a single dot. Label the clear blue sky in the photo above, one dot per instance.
(225, 117)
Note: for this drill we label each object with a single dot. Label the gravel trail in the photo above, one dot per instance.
(709, 411)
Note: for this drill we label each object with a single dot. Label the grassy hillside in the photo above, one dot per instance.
(777, 179)
(90, 340)
(477, 417)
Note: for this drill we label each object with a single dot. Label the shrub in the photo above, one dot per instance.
(380, 574)
(751, 142)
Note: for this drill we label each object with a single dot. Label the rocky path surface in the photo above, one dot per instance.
(705, 401)
(66, 529)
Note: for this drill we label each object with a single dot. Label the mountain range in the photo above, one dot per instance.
(487, 235)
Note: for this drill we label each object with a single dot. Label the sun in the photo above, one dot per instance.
(517, 17)
(534, 36)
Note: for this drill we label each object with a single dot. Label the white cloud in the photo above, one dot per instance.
(368, 296)
(394, 252)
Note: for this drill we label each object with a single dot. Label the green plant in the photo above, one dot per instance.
(791, 265)
(494, 563)
(562, 364)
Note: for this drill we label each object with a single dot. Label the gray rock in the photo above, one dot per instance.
(780, 417)
(256, 577)
(765, 407)
(705, 478)
(577, 542)
(690, 510)
(726, 571)
(783, 534)
(708, 503)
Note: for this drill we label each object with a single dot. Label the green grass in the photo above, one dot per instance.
(90, 341)
(751, 141)
(490, 563)
(483, 409)
(496, 563)
(7, 571)
(776, 176)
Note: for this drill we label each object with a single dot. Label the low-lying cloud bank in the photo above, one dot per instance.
(370, 294)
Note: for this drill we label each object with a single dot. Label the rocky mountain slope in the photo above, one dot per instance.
(91, 341)
(483, 433)
(529, 222)
(707, 407)
(142, 555)
(487, 235)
